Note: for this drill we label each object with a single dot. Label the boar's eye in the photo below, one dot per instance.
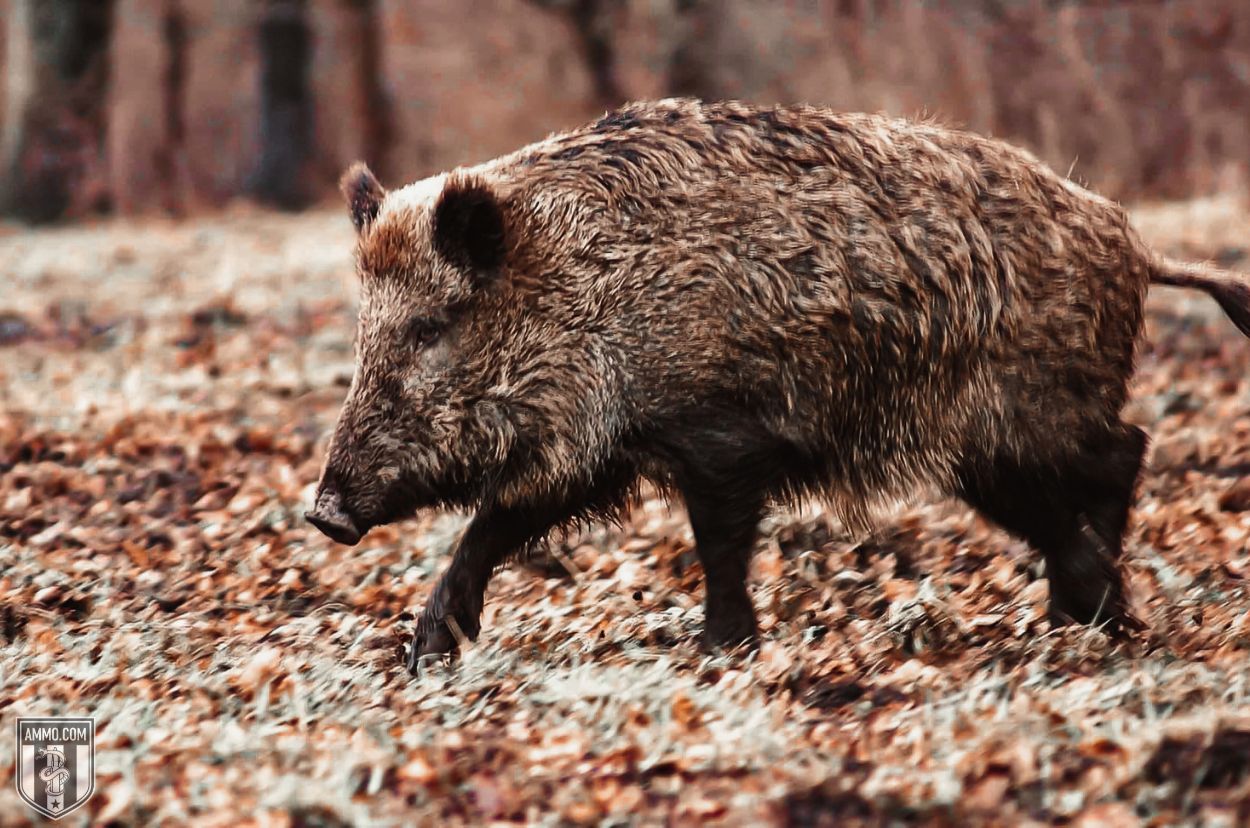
(423, 330)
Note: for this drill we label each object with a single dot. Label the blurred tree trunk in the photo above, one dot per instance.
(690, 65)
(172, 160)
(689, 55)
(57, 76)
(378, 124)
(594, 21)
(6, 13)
(281, 176)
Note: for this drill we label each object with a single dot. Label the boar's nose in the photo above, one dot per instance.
(334, 521)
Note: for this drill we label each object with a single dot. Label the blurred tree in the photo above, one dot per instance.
(691, 64)
(53, 136)
(171, 159)
(280, 178)
(378, 125)
(595, 22)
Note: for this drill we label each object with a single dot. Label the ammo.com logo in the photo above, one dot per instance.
(55, 763)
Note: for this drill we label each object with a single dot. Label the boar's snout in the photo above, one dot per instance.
(331, 517)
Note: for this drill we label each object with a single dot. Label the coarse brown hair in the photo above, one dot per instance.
(747, 306)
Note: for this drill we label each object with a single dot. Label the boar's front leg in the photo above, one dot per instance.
(725, 478)
(495, 534)
(724, 532)
(491, 537)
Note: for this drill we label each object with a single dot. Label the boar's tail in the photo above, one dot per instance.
(1231, 290)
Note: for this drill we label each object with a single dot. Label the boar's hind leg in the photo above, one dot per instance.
(1108, 483)
(1076, 518)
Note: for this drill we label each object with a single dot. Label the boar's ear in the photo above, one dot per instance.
(363, 193)
(469, 226)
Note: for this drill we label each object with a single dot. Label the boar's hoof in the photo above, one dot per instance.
(430, 644)
(434, 637)
(1122, 626)
(728, 634)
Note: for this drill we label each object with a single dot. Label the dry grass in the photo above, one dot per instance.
(165, 393)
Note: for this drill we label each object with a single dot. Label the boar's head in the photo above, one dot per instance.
(470, 384)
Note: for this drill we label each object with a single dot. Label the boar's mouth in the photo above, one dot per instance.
(348, 525)
(338, 528)
(333, 520)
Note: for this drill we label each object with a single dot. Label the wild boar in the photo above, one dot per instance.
(746, 306)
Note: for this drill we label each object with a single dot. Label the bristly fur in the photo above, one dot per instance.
(748, 306)
(363, 193)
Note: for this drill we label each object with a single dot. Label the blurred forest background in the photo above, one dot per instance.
(171, 106)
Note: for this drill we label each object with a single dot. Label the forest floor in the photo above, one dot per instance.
(166, 393)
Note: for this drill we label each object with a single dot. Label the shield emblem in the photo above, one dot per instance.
(55, 763)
